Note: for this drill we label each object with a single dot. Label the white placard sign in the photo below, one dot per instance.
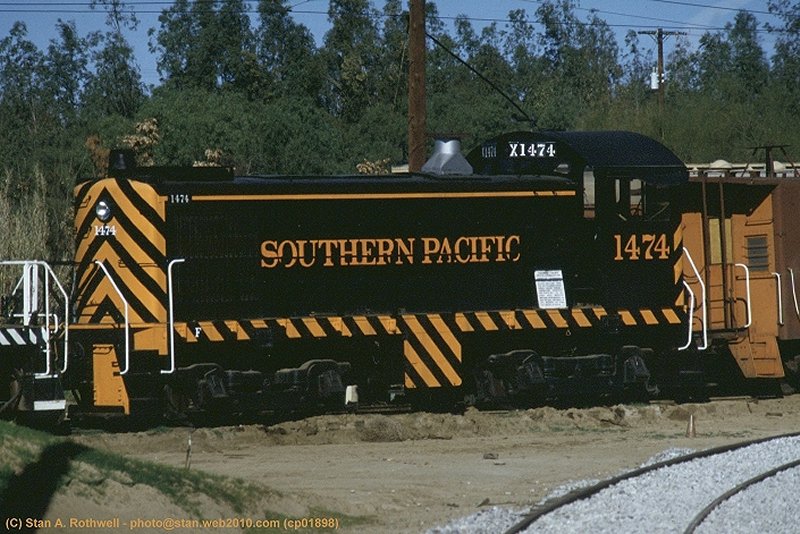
(550, 289)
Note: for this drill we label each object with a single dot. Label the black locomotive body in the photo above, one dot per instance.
(555, 266)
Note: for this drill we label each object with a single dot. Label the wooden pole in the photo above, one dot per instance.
(416, 85)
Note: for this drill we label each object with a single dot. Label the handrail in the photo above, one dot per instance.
(49, 273)
(747, 288)
(66, 318)
(171, 318)
(127, 322)
(780, 298)
(691, 315)
(703, 296)
(794, 293)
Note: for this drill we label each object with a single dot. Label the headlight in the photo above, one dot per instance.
(103, 211)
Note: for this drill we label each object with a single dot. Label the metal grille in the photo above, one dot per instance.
(757, 253)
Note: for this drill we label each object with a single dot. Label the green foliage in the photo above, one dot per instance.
(259, 92)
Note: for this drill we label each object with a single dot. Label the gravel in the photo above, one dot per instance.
(666, 500)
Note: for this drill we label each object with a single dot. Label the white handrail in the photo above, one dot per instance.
(66, 318)
(691, 315)
(47, 314)
(702, 295)
(171, 319)
(780, 298)
(747, 288)
(794, 293)
(127, 323)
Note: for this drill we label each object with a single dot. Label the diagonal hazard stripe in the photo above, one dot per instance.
(416, 363)
(463, 323)
(313, 326)
(486, 321)
(672, 317)
(649, 317)
(581, 319)
(627, 318)
(236, 328)
(288, 326)
(447, 335)
(557, 319)
(408, 382)
(432, 349)
(337, 324)
(533, 319)
(364, 326)
(510, 320)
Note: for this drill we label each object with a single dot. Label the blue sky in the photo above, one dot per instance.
(693, 16)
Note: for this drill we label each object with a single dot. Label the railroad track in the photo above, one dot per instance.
(684, 490)
(738, 489)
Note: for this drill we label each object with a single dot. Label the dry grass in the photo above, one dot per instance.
(35, 224)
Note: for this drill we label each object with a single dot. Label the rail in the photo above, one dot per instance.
(705, 512)
(747, 289)
(702, 296)
(586, 492)
(29, 283)
(171, 318)
(780, 297)
(127, 322)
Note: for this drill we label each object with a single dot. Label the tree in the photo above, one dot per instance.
(238, 64)
(286, 53)
(116, 87)
(731, 64)
(351, 52)
(392, 62)
(20, 66)
(580, 67)
(271, 137)
(65, 69)
(188, 44)
(750, 66)
(786, 61)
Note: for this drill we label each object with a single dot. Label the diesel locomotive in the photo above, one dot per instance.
(541, 265)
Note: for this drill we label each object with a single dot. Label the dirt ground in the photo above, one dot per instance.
(411, 472)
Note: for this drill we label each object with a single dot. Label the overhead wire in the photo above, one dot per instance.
(78, 7)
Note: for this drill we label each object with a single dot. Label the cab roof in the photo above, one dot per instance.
(610, 154)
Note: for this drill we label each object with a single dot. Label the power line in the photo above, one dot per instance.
(83, 8)
(708, 6)
(618, 14)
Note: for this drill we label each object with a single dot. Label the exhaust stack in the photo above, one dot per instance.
(447, 158)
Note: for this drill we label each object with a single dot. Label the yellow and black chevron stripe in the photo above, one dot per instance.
(291, 328)
(132, 247)
(572, 319)
(432, 342)
(676, 257)
(432, 351)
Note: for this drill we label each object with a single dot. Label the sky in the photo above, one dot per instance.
(692, 16)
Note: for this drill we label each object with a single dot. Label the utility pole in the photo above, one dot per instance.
(416, 85)
(659, 35)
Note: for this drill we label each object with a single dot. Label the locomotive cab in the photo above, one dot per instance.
(624, 272)
(627, 239)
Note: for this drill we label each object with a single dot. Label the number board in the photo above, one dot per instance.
(545, 149)
(641, 247)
